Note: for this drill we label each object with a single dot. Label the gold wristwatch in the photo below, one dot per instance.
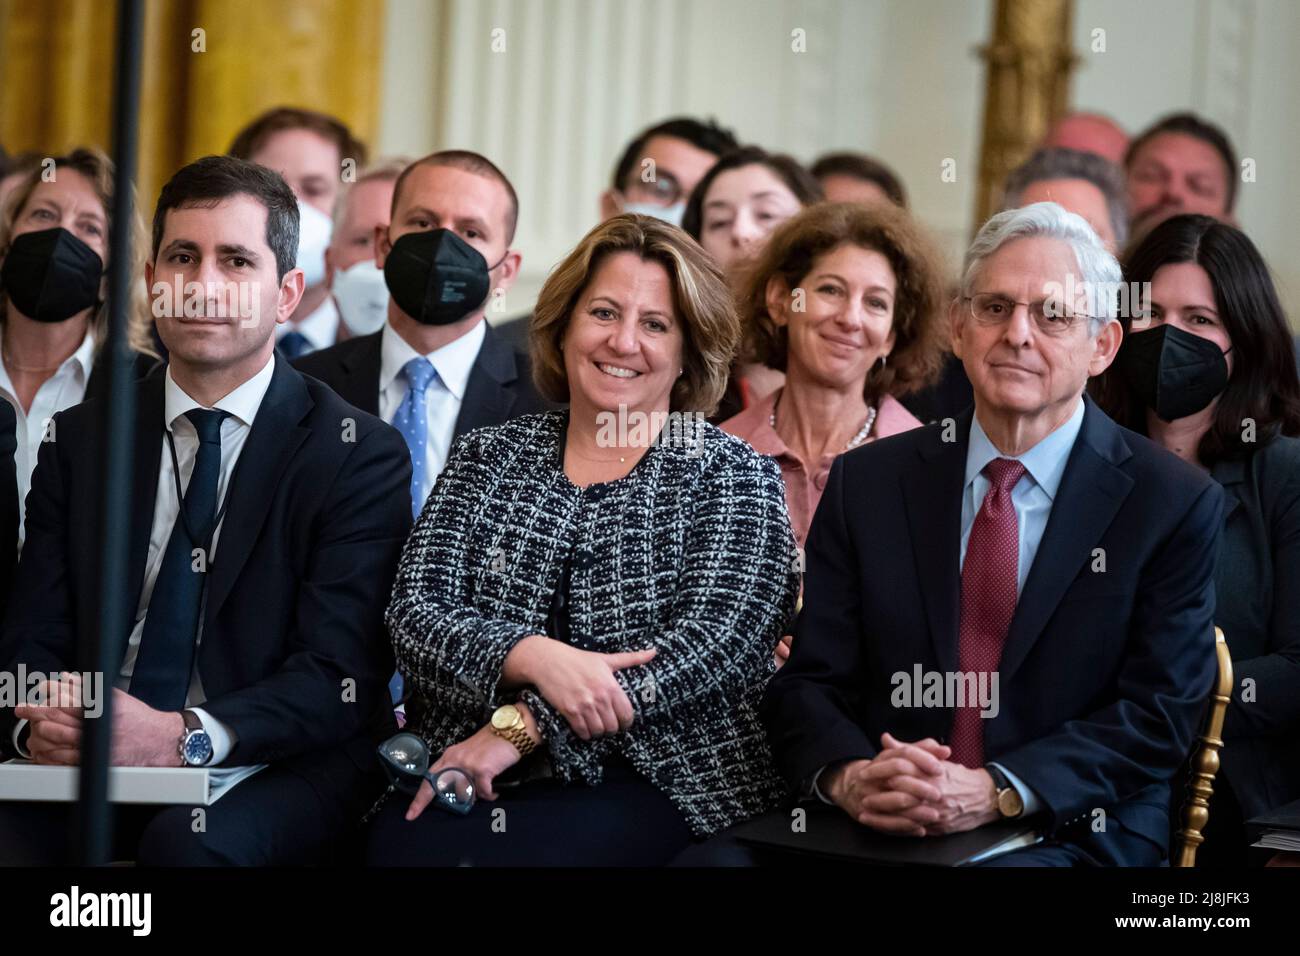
(1008, 800)
(508, 724)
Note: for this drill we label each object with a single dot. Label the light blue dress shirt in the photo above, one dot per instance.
(1034, 493)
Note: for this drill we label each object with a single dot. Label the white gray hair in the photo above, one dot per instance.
(1099, 271)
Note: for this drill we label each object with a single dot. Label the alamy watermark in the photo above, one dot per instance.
(213, 300)
(636, 429)
(69, 689)
(946, 689)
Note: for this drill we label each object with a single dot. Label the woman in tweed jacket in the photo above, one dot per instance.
(588, 606)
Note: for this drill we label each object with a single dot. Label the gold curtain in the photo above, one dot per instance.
(209, 67)
(1027, 87)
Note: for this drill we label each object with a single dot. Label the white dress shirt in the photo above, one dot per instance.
(65, 388)
(242, 404)
(321, 328)
(442, 400)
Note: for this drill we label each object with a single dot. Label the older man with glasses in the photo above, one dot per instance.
(1031, 548)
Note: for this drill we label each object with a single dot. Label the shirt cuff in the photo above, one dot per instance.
(221, 737)
(1027, 796)
(18, 730)
(813, 790)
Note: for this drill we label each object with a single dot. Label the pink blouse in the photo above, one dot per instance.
(804, 484)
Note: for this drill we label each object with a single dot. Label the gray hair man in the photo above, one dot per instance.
(1044, 553)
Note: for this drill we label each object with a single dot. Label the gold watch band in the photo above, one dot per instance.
(518, 736)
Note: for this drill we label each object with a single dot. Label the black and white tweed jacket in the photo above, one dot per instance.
(690, 553)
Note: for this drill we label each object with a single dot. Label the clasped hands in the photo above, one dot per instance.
(912, 789)
(142, 736)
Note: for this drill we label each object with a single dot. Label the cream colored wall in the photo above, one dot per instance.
(898, 78)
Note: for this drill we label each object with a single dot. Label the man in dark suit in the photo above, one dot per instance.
(9, 504)
(267, 519)
(1009, 614)
(436, 370)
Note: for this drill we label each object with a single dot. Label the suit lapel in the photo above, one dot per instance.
(359, 386)
(149, 429)
(1092, 489)
(271, 444)
(487, 399)
(1230, 474)
(932, 493)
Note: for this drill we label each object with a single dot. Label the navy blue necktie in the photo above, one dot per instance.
(294, 343)
(165, 660)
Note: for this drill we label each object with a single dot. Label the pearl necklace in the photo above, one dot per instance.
(854, 442)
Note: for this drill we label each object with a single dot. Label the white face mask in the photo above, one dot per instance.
(314, 232)
(669, 214)
(362, 297)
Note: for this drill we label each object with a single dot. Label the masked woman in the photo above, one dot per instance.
(1208, 371)
(54, 295)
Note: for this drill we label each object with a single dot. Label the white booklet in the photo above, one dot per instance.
(24, 780)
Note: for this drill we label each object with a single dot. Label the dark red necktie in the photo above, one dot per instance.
(988, 600)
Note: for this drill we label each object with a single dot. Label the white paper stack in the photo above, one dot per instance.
(24, 780)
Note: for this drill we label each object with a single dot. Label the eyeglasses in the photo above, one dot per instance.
(663, 190)
(1052, 316)
(406, 760)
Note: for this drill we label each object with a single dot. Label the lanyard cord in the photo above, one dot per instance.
(180, 498)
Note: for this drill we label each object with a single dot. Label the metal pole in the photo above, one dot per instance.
(116, 428)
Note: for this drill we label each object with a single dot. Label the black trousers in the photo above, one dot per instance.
(626, 821)
(276, 817)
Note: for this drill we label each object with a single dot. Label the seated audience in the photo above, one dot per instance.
(308, 149)
(1083, 183)
(654, 176)
(857, 177)
(1207, 373)
(54, 298)
(267, 519)
(589, 603)
(1051, 570)
(731, 212)
(1089, 133)
(1181, 164)
(845, 301)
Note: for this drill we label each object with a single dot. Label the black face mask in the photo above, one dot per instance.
(436, 277)
(51, 275)
(1172, 372)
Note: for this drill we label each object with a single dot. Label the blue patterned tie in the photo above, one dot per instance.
(293, 344)
(165, 659)
(412, 421)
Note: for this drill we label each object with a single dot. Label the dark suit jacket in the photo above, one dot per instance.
(294, 658)
(1103, 675)
(8, 501)
(1258, 586)
(97, 385)
(500, 385)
